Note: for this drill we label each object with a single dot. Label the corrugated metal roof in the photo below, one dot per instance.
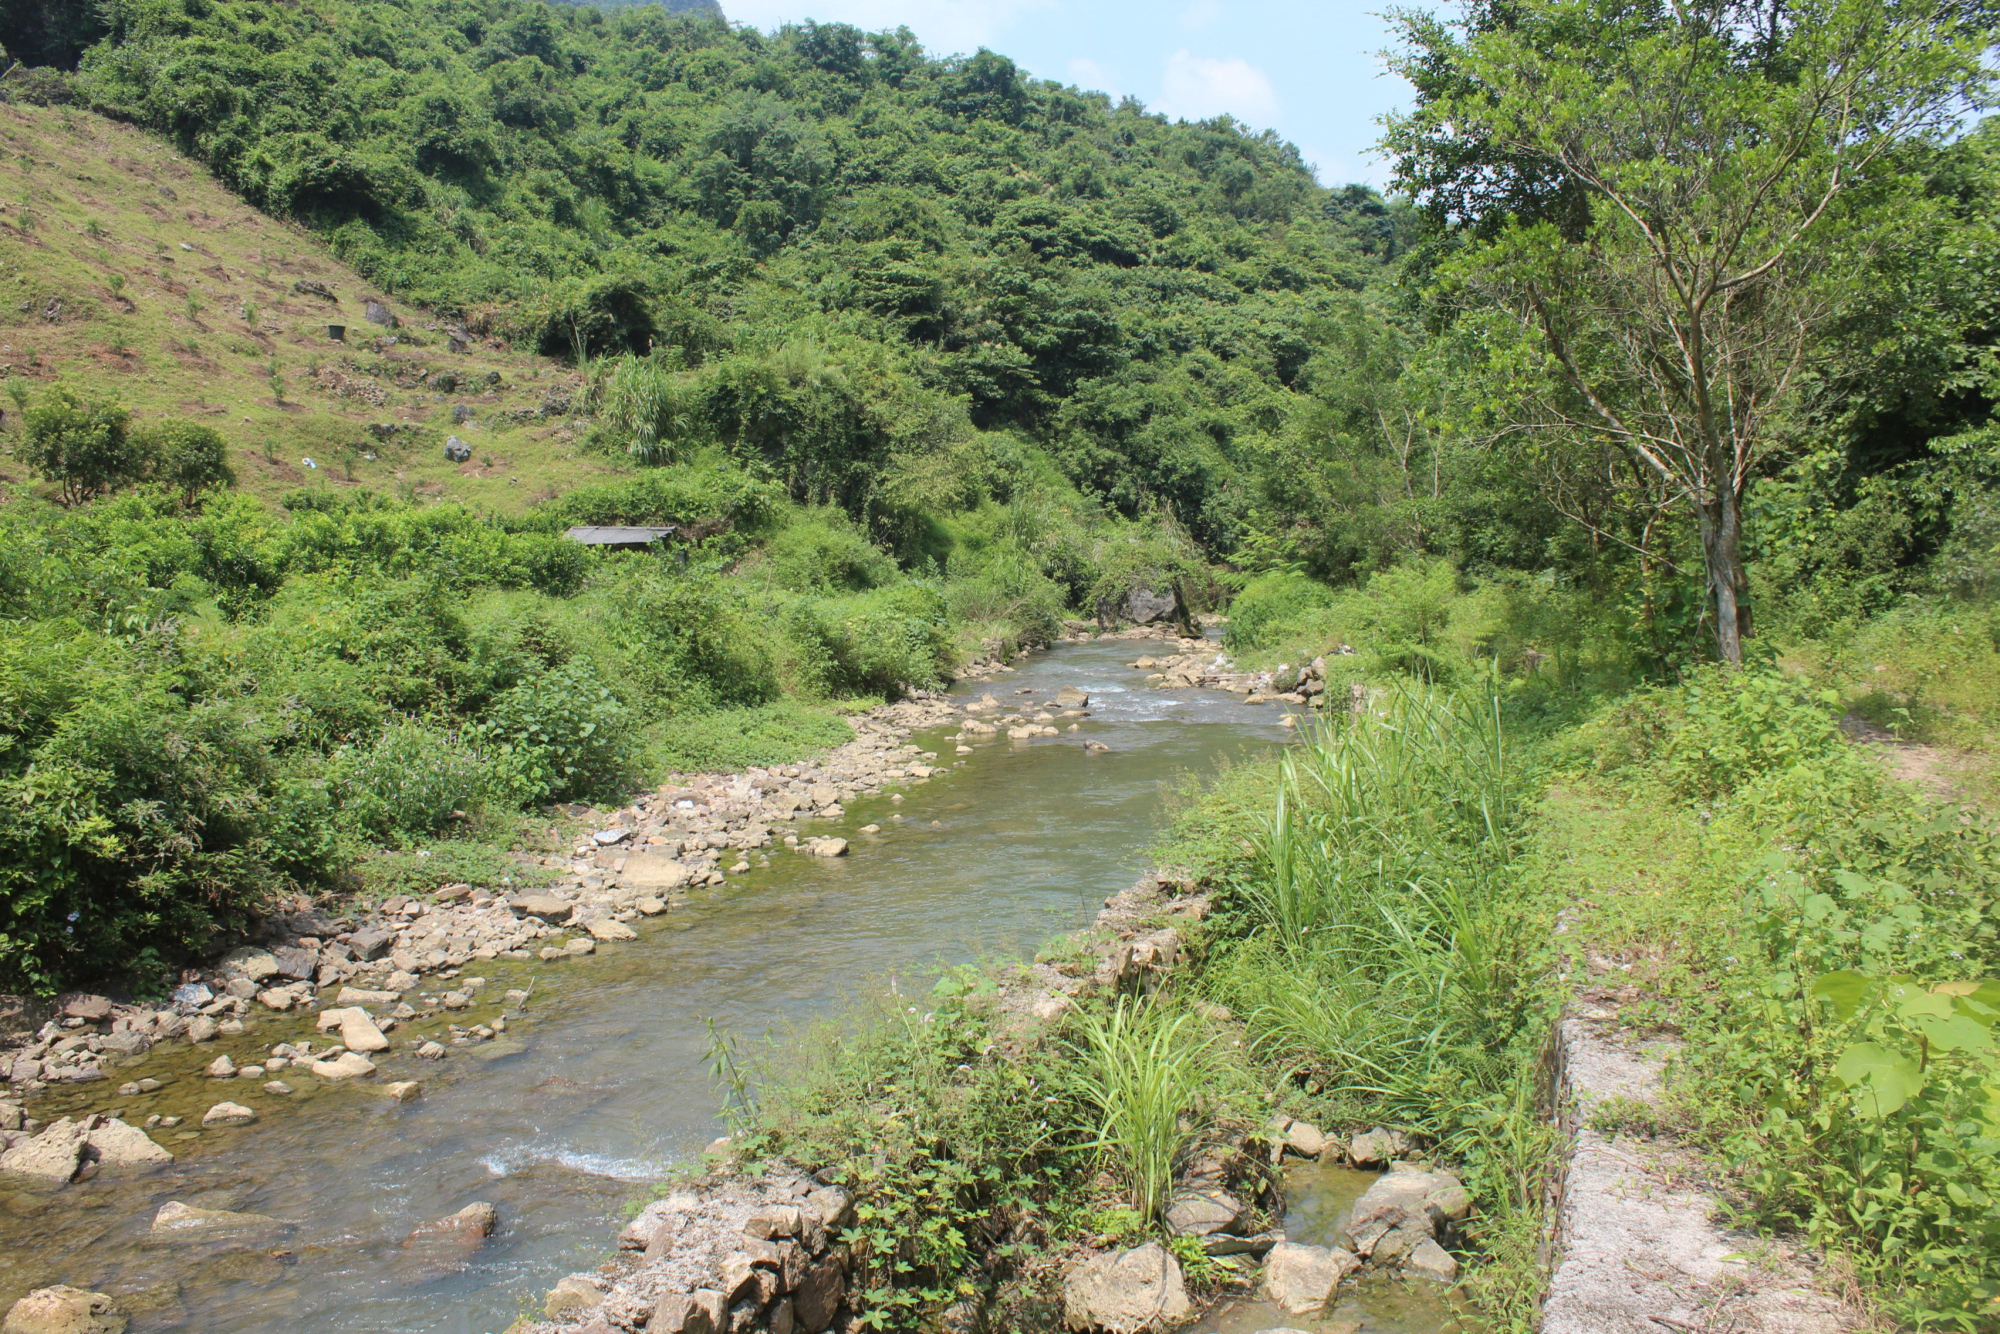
(617, 537)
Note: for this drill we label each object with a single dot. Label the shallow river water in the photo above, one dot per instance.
(601, 1085)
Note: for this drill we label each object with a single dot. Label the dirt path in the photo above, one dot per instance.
(1642, 1247)
(1911, 761)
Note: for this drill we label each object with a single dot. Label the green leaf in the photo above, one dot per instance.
(1958, 1033)
(1844, 990)
(1888, 1079)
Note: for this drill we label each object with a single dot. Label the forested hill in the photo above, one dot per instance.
(1141, 297)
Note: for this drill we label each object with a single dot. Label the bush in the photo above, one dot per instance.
(1273, 609)
(186, 456)
(408, 781)
(822, 553)
(556, 736)
(697, 645)
(129, 817)
(85, 448)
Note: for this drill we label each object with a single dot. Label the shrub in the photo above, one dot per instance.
(557, 735)
(696, 642)
(128, 817)
(407, 781)
(1272, 610)
(822, 553)
(85, 448)
(186, 456)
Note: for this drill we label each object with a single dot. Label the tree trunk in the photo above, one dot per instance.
(1722, 558)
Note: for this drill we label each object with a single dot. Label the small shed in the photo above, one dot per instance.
(621, 539)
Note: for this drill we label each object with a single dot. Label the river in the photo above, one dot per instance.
(601, 1085)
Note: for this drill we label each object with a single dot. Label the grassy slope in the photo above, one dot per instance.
(83, 198)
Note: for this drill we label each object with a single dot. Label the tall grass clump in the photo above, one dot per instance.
(1142, 1066)
(1388, 954)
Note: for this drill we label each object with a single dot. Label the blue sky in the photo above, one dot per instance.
(1308, 69)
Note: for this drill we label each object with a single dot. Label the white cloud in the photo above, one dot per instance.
(1201, 14)
(1090, 76)
(946, 27)
(1197, 87)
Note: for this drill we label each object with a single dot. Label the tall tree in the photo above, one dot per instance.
(1671, 202)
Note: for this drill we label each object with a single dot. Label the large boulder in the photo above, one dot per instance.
(1403, 1209)
(53, 1155)
(113, 1143)
(61, 1310)
(1302, 1279)
(1126, 1292)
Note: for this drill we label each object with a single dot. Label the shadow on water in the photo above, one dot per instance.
(601, 1084)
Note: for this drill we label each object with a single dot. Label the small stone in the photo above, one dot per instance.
(1377, 1146)
(604, 928)
(431, 1051)
(581, 945)
(1427, 1259)
(278, 1086)
(403, 1090)
(222, 1068)
(227, 1114)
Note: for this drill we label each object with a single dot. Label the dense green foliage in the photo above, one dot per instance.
(843, 255)
(206, 706)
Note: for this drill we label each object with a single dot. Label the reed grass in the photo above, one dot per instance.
(1142, 1066)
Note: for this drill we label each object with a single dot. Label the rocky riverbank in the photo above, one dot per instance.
(413, 962)
(760, 1250)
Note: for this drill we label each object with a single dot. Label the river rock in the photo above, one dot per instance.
(91, 1009)
(654, 873)
(53, 1155)
(201, 1028)
(827, 847)
(605, 928)
(576, 1293)
(1302, 1278)
(277, 998)
(227, 1114)
(253, 965)
(403, 1090)
(1427, 1259)
(1126, 1292)
(1072, 698)
(700, 1312)
(1403, 1209)
(1305, 1139)
(368, 943)
(1374, 1147)
(545, 906)
(431, 1051)
(347, 1065)
(184, 1222)
(222, 1067)
(819, 1293)
(365, 996)
(1201, 1213)
(114, 1143)
(446, 1245)
(62, 1310)
(358, 1032)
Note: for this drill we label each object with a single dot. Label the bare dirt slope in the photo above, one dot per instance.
(128, 272)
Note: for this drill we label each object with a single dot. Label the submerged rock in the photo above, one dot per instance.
(1127, 1292)
(53, 1155)
(446, 1245)
(62, 1310)
(185, 1222)
(116, 1144)
(228, 1114)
